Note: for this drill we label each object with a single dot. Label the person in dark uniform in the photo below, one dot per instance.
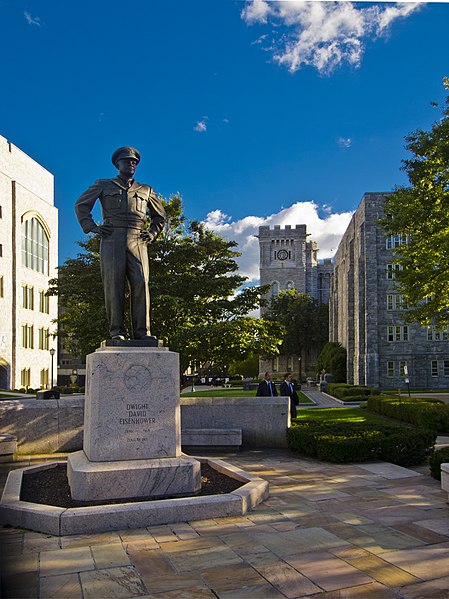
(287, 389)
(127, 208)
(266, 387)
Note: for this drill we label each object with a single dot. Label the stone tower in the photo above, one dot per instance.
(289, 261)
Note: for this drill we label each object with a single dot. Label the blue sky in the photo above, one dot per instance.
(256, 112)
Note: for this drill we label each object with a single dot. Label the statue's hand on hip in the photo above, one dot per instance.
(103, 230)
(147, 236)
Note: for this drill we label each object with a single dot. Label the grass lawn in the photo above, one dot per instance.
(233, 392)
(342, 415)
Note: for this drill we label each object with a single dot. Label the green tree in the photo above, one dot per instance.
(419, 213)
(249, 367)
(198, 299)
(333, 359)
(305, 320)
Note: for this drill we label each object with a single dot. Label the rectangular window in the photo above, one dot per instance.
(45, 378)
(395, 241)
(396, 301)
(2, 292)
(390, 369)
(392, 269)
(397, 333)
(275, 364)
(434, 334)
(402, 368)
(25, 377)
(401, 303)
(446, 367)
(28, 297)
(44, 335)
(44, 302)
(28, 336)
(434, 368)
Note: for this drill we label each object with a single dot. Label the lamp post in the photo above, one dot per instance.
(52, 354)
(299, 361)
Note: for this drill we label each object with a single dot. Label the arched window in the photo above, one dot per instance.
(274, 289)
(34, 245)
(290, 285)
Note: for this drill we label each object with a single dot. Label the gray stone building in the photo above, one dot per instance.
(288, 260)
(367, 312)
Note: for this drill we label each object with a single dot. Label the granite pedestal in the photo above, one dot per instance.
(132, 431)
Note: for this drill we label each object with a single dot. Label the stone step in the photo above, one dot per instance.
(211, 436)
(8, 446)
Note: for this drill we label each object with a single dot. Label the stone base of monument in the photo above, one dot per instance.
(60, 521)
(154, 478)
(132, 448)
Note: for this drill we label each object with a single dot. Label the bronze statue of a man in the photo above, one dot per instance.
(127, 207)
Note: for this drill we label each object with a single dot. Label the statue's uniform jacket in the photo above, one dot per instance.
(123, 254)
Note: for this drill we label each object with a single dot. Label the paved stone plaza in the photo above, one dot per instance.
(371, 531)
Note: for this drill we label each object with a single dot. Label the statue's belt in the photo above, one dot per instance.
(125, 224)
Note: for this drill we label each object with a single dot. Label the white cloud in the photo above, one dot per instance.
(323, 34)
(200, 126)
(327, 231)
(256, 11)
(344, 142)
(32, 20)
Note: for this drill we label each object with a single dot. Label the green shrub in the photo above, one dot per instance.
(416, 411)
(354, 398)
(407, 447)
(345, 391)
(82, 389)
(438, 457)
(66, 390)
(31, 391)
(344, 442)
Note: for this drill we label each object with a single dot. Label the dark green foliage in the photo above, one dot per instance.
(416, 411)
(347, 392)
(333, 359)
(199, 301)
(31, 391)
(66, 390)
(438, 457)
(305, 322)
(420, 212)
(344, 442)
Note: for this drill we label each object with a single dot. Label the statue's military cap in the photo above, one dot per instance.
(125, 152)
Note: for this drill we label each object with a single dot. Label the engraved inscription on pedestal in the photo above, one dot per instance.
(132, 404)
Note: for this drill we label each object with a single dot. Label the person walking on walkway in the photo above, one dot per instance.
(287, 388)
(266, 387)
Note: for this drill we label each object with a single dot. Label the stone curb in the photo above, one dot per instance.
(61, 521)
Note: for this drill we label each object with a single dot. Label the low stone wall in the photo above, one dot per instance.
(56, 425)
(44, 426)
(263, 420)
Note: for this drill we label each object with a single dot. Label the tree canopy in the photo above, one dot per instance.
(419, 213)
(333, 358)
(305, 320)
(199, 304)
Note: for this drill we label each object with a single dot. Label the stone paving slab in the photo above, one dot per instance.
(327, 531)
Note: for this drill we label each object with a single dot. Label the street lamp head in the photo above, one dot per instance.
(52, 352)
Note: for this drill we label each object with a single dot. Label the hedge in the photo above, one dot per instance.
(438, 457)
(347, 392)
(346, 442)
(419, 412)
